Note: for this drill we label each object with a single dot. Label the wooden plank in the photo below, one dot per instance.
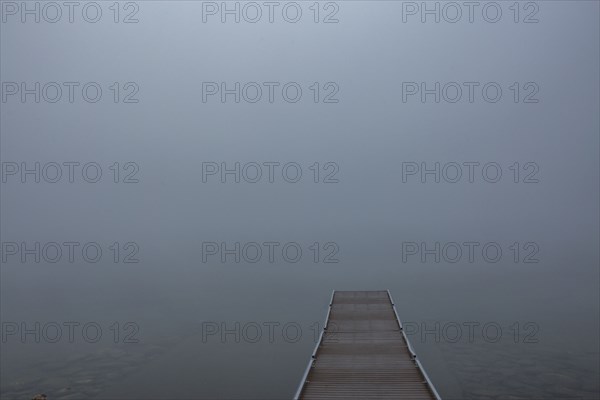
(363, 353)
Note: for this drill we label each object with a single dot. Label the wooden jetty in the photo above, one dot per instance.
(363, 353)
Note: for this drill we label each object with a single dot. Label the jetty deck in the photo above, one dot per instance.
(363, 353)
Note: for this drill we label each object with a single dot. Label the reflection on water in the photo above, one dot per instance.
(488, 371)
(172, 361)
(80, 376)
(187, 367)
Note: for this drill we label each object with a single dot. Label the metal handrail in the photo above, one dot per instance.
(314, 353)
(412, 352)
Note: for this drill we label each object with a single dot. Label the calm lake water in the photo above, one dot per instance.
(179, 354)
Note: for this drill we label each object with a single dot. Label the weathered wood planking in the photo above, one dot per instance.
(364, 354)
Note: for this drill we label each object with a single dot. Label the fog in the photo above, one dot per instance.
(364, 182)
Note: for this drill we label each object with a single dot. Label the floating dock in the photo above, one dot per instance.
(363, 353)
